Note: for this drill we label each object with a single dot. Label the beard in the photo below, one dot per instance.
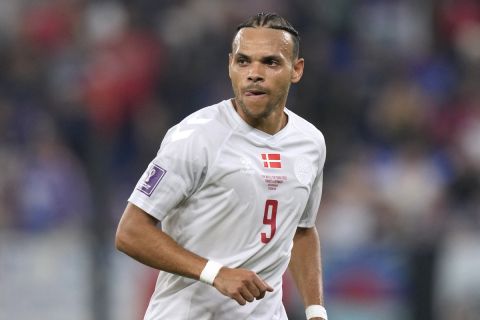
(273, 103)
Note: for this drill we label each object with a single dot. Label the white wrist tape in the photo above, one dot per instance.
(210, 272)
(316, 311)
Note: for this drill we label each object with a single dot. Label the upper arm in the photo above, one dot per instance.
(136, 216)
(305, 233)
(133, 219)
(174, 174)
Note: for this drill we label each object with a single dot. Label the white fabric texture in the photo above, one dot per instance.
(233, 194)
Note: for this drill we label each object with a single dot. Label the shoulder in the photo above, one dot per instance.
(310, 137)
(204, 126)
(204, 115)
(307, 129)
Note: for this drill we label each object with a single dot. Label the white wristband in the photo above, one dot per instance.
(210, 272)
(316, 311)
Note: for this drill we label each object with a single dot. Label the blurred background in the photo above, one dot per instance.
(88, 89)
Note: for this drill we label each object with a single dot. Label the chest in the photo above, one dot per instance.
(254, 169)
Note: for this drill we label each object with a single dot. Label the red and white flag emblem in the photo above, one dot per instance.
(271, 160)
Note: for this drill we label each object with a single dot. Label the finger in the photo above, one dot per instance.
(263, 288)
(262, 285)
(261, 295)
(254, 290)
(246, 294)
(240, 300)
(269, 288)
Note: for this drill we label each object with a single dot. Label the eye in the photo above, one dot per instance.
(272, 62)
(241, 61)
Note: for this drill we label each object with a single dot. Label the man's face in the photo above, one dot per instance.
(261, 68)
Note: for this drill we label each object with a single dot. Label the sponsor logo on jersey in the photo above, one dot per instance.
(151, 178)
(271, 160)
(247, 166)
(181, 132)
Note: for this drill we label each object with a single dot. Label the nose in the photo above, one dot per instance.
(255, 73)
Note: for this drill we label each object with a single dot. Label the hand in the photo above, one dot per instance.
(241, 285)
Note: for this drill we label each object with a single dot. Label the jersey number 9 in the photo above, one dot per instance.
(270, 219)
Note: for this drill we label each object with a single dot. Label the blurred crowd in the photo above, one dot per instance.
(88, 89)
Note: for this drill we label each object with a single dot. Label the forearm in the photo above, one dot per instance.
(151, 246)
(305, 266)
(138, 236)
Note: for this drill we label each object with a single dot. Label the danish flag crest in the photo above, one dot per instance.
(271, 160)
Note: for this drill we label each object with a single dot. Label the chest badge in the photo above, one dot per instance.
(303, 170)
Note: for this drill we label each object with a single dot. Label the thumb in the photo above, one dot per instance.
(269, 288)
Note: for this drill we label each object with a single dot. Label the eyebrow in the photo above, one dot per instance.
(272, 57)
(263, 59)
(241, 55)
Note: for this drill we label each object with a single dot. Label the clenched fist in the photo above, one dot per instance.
(242, 285)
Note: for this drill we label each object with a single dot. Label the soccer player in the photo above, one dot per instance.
(236, 186)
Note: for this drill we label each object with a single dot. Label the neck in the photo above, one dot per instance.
(271, 123)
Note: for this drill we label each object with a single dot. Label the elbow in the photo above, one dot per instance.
(132, 230)
(121, 239)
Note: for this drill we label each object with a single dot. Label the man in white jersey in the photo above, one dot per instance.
(236, 186)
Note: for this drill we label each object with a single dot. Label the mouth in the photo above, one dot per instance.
(255, 92)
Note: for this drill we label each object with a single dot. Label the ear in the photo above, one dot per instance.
(297, 72)
(230, 59)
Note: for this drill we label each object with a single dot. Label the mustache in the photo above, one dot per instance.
(255, 88)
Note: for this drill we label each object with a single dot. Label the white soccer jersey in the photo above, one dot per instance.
(233, 194)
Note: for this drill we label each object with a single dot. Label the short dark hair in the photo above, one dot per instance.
(273, 21)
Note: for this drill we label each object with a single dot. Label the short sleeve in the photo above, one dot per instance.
(311, 209)
(173, 175)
